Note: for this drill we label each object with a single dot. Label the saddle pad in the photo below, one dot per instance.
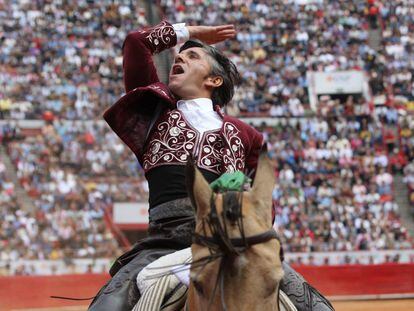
(175, 265)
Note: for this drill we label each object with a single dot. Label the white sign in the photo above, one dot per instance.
(130, 213)
(306, 2)
(338, 82)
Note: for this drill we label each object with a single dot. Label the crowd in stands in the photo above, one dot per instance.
(72, 174)
(68, 157)
(63, 57)
(334, 190)
(407, 145)
(279, 41)
(61, 62)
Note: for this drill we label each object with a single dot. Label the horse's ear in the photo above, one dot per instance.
(198, 189)
(264, 181)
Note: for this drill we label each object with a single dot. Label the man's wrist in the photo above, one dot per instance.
(182, 32)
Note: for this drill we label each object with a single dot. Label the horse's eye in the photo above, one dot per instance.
(198, 287)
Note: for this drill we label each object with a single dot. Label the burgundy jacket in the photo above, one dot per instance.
(132, 116)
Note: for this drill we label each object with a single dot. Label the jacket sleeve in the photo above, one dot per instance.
(138, 49)
(252, 157)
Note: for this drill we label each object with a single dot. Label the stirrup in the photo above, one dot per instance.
(285, 304)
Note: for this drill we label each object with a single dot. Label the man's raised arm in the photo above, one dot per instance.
(138, 48)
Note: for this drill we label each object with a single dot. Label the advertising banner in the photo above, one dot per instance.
(338, 82)
(130, 215)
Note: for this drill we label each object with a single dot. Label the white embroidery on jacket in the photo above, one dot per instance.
(211, 152)
(174, 139)
(234, 155)
(171, 142)
(163, 33)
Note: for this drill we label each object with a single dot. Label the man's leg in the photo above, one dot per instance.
(170, 229)
(121, 292)
(303, 296)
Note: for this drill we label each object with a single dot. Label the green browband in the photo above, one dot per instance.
(230, 182)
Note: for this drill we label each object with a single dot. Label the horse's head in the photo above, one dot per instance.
(236, 253)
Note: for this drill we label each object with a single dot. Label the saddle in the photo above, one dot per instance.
(164, 284)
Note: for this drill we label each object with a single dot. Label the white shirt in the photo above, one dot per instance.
(182, 32)
(200, 114)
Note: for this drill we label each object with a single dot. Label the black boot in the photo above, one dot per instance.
(302, 295)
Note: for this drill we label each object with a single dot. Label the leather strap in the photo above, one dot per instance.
(240, 242)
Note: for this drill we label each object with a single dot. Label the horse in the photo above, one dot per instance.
(236, 254)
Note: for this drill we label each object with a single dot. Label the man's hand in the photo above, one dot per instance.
(212, 34)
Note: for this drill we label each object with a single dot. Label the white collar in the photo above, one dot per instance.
(201, 104)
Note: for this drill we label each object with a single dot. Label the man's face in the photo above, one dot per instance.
(189, 73)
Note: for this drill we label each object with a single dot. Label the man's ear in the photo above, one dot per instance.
(214, 81)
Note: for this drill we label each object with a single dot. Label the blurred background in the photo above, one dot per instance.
(329, 84)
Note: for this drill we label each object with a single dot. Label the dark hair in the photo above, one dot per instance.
(220, 66)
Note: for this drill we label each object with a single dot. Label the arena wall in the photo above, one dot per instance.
(361, 281)
(337, 282)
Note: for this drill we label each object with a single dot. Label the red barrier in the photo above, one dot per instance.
(371, 280)
(35, 291)
(360, 280)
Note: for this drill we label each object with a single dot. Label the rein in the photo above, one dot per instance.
(239, 242)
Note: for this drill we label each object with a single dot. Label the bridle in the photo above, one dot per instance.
(219, 243)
